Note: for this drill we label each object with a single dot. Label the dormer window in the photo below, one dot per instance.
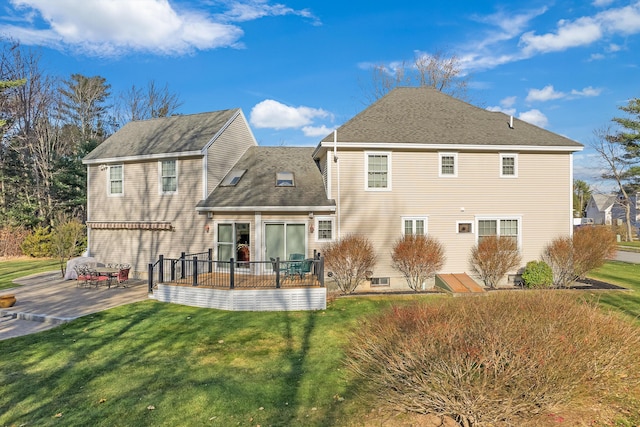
(233, 178)
(284, 179)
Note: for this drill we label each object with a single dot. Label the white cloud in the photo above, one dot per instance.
(547, 93)
(507, 111)
(584, 30)
(255, 9)
(275, 115)
(586, 92)
(114, 27)
(596, 57)
(506, 106)
(316, 131)
(535, 117)
(580, 32)
(602, 3)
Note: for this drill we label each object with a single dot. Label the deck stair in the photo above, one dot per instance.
(459, 284)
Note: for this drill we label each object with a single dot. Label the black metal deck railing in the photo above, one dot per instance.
(201, 270)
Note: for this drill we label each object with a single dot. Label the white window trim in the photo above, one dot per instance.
(515, 164)
(470, 222)
(109, 193)
(366, 169)
(160, 177)
(333, 228)
(414, 218)
(455, 164)
(497, 218)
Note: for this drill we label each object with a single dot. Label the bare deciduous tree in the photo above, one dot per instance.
(620, 167)
(440, 70)
(139, 104)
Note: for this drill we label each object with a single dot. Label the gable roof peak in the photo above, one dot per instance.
(425, 115)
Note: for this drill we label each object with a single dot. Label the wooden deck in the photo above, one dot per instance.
(221, 280)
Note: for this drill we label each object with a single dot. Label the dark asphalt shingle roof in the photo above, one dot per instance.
(175, 134)
(257, 187)
(428, 116)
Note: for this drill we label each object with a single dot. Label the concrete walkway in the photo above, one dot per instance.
(45, 301)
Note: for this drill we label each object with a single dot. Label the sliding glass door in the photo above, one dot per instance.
(282, 240)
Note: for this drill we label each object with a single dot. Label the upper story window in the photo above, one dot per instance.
(324, 227)
(508, 165)
(448, 164)
(233, 178)
(116, 180)
(378, 171)
(168, 176)
(414, 225)
(284, 179)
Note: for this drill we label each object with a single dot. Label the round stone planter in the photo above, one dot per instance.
(7, 301)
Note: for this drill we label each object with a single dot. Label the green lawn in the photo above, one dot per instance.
(11, 270)
(190, 366)
(157, 364)
(623, 274)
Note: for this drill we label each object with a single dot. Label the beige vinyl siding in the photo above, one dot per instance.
(143, 202)
(257, 247)
(539, 197)
(227, 150)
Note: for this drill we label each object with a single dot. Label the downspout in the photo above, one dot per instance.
(571, 194)
(335, 160)
(88, 218)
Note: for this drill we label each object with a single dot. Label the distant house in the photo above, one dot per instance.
(608, 209)
(600, 207)
(416, 161)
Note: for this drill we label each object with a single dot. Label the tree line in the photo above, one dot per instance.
(48, 124)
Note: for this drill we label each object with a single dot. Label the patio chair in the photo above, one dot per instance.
(294, 264)
(123, 276)
(96, 279)
(282, 267)
(83, 276)
(300, 268)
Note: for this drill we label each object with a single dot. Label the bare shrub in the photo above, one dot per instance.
(10, 240)
(418, 258)
(67, 240)
(497, 360)
(572, 257)
(350, 260)
(493, 257)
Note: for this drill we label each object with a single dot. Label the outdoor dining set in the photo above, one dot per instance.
(110, 274)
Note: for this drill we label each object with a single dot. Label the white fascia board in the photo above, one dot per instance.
(454, 147)
(142, 157)
(267, 208)
(220, 131)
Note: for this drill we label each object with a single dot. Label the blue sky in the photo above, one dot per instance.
(297, 69)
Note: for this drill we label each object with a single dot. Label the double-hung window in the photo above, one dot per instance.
(508, 165)
(448, 164)
(168, 176)
(115, 184)
(414, 225)
(324, 227)
(378, 171)
(503, 227)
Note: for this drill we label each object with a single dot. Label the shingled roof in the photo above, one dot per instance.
(175, 135)
(257, 189)
(423, 115)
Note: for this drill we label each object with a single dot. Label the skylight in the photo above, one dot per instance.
(284, 179)
(232, 177)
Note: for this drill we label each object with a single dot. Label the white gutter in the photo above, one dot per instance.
(335, 159)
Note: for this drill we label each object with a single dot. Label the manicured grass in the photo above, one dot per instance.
(155, 364)
(11, 270)
(623, 274)
(634, 244)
